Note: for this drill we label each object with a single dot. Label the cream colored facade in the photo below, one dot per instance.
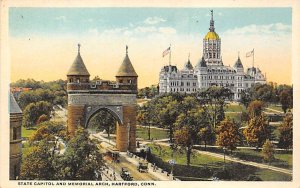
(209, 71)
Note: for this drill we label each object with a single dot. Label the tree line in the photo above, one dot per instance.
(269, 93)
(200, 118)
(37, 103)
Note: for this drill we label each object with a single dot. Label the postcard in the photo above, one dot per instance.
(149, 94)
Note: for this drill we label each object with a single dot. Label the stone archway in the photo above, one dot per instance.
(86, 97)
(81, 107)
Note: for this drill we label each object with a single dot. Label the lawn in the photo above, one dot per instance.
(235, 108)
(204, 166)
(25, 149)
(235, 116)
(180, 156)
(270, 175)
(26, 133)
(282, 158)
(142, 132)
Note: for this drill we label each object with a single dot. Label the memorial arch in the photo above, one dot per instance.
(86, 98)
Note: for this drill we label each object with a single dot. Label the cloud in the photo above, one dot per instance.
(275, 28)
(141, 29)
(167, 30)
(135, 31)
(153, 20)
(61, 18)
(114, 31)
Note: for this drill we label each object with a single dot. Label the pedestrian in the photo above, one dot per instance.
(154, 167)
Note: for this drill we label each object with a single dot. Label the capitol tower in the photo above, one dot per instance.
(212, 45)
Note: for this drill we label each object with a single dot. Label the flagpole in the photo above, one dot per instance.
(253, 59)
(170, 56)
(253, 67)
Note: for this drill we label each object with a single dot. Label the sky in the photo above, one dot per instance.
(43, 41)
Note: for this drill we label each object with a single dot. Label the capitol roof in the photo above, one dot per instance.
(211, 35)
(238, 63)
(188, 65)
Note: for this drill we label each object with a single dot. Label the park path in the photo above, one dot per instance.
(229, 158)
(275, 110)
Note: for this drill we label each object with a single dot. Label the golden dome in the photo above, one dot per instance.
(211, 35)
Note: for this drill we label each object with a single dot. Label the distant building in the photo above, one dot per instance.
(15, 139)
(209, 71)
(17, 90)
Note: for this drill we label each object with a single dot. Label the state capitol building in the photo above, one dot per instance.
(209, 71)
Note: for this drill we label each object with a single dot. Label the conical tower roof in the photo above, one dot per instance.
(13, 106)
(238, 63)
(188, 65)
(78, 68)
(126, 68)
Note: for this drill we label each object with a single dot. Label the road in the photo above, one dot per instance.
(137, 176)
(129, 163)
(60, 113)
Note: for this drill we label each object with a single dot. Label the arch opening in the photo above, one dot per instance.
(103, 122)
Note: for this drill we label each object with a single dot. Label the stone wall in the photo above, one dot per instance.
(129, 114)
(75, 117)
(15, 146)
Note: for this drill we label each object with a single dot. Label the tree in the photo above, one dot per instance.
(257, 131)
(228, 134)
(205, 135)
(169, 111)
(33, 96)
(264, 92)
(33, 111)
(255, 108)
(268, 151)
(245, 98)
(187, 126)
(148, 92)
(42, 118)
(29, 83)
(214, 97)
(286, 100)
(286, 132)
(37, 165)
(49, 131)
(82, 160)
